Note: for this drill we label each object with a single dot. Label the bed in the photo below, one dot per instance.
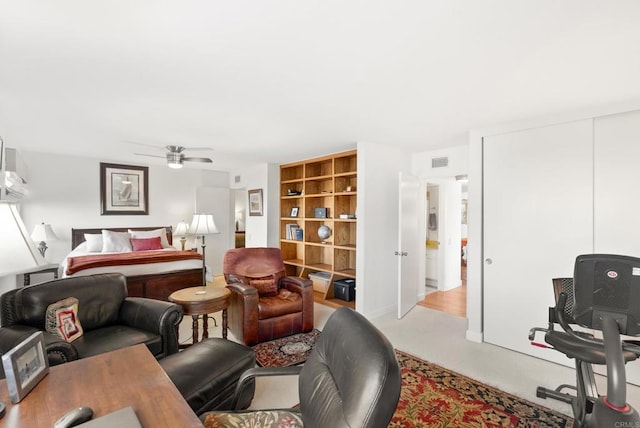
(149, 274)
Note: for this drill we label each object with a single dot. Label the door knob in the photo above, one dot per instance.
(488, 261)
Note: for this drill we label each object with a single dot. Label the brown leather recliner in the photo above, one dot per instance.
(265, 303)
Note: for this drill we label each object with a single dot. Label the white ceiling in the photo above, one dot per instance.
(276, 81)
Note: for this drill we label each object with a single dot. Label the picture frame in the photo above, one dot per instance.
(25, 366)
(124, 189)
(255, 202)
(294, 212)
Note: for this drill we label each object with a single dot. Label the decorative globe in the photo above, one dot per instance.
(324, 232)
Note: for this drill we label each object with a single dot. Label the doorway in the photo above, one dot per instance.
(446, 219)
(240, 212)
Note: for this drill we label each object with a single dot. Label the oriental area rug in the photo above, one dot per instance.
(286, 351)
(431, 395)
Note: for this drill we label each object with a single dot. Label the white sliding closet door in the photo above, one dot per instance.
(617, 192)
(617, 184)
(538, 211)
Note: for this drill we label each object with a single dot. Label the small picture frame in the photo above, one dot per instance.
(294, 212)
(255, 202)
(25, 366)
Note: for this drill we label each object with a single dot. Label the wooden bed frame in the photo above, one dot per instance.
(155, 286)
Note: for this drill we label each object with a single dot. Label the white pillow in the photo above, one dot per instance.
(115, 242)
(94, 242)
(143, 234)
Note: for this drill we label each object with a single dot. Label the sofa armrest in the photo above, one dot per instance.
(156, 316)
(58, 351)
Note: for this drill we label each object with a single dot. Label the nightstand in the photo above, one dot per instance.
(50, 268)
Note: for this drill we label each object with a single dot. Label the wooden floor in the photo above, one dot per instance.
(452, 302)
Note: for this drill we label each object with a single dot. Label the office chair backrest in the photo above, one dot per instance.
(352, 378)
(607, 284)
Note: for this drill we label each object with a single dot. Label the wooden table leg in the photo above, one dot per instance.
(224, 323)
(194, 327)
(205, 326)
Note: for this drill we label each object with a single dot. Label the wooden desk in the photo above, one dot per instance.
(196, 303)
(106, 383)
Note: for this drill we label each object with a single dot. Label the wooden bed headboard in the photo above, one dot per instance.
(77, 235)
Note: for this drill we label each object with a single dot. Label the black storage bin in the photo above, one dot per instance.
(345, 289)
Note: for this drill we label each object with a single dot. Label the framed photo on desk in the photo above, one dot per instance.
(25, 365)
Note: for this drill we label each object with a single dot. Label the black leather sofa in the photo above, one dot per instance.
(109, 318)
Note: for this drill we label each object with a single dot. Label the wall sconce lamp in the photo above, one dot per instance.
(43, 233)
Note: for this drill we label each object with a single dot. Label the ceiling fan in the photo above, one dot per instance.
(175, 157)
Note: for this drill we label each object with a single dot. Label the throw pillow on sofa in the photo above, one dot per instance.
(62, 319)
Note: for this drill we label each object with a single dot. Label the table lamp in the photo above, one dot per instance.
(182, 228)
(43, 233)
(202, 225)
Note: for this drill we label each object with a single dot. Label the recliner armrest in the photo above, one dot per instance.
(241, 288)
(156, 316)
(295, 283)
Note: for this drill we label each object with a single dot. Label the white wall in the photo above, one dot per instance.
(458, 162)
(65, 192)
(377, 228)
(261, 231)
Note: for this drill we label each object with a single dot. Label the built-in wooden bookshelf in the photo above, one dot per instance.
(328, 182)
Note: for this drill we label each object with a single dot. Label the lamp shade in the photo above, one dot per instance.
(203, 224)
(182, 228)
(43, 233)
(18, 254)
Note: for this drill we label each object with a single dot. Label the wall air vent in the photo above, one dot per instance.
(439, 162)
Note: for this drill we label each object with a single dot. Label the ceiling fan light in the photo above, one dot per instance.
(174, 160)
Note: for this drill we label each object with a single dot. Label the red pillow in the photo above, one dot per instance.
(142, 244)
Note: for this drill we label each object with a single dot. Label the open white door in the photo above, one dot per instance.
(408, 243)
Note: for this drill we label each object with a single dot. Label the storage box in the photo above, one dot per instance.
(320, 280)
(344, 289)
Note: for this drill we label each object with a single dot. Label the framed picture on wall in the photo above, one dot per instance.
(124, 189)
(255, 202)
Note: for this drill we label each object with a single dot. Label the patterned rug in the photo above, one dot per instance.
(433, 396)
(287, 351)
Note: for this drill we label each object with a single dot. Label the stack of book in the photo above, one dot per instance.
(293, 232)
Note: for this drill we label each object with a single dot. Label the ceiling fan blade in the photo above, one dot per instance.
(153, 146)
(151, 156)
(205, 160)
(198, 148)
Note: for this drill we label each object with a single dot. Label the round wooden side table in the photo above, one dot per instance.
(196, 301)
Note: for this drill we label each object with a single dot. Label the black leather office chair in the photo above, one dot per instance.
(351, 379)
(603, 295)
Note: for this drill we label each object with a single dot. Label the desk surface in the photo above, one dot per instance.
(106, 383)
